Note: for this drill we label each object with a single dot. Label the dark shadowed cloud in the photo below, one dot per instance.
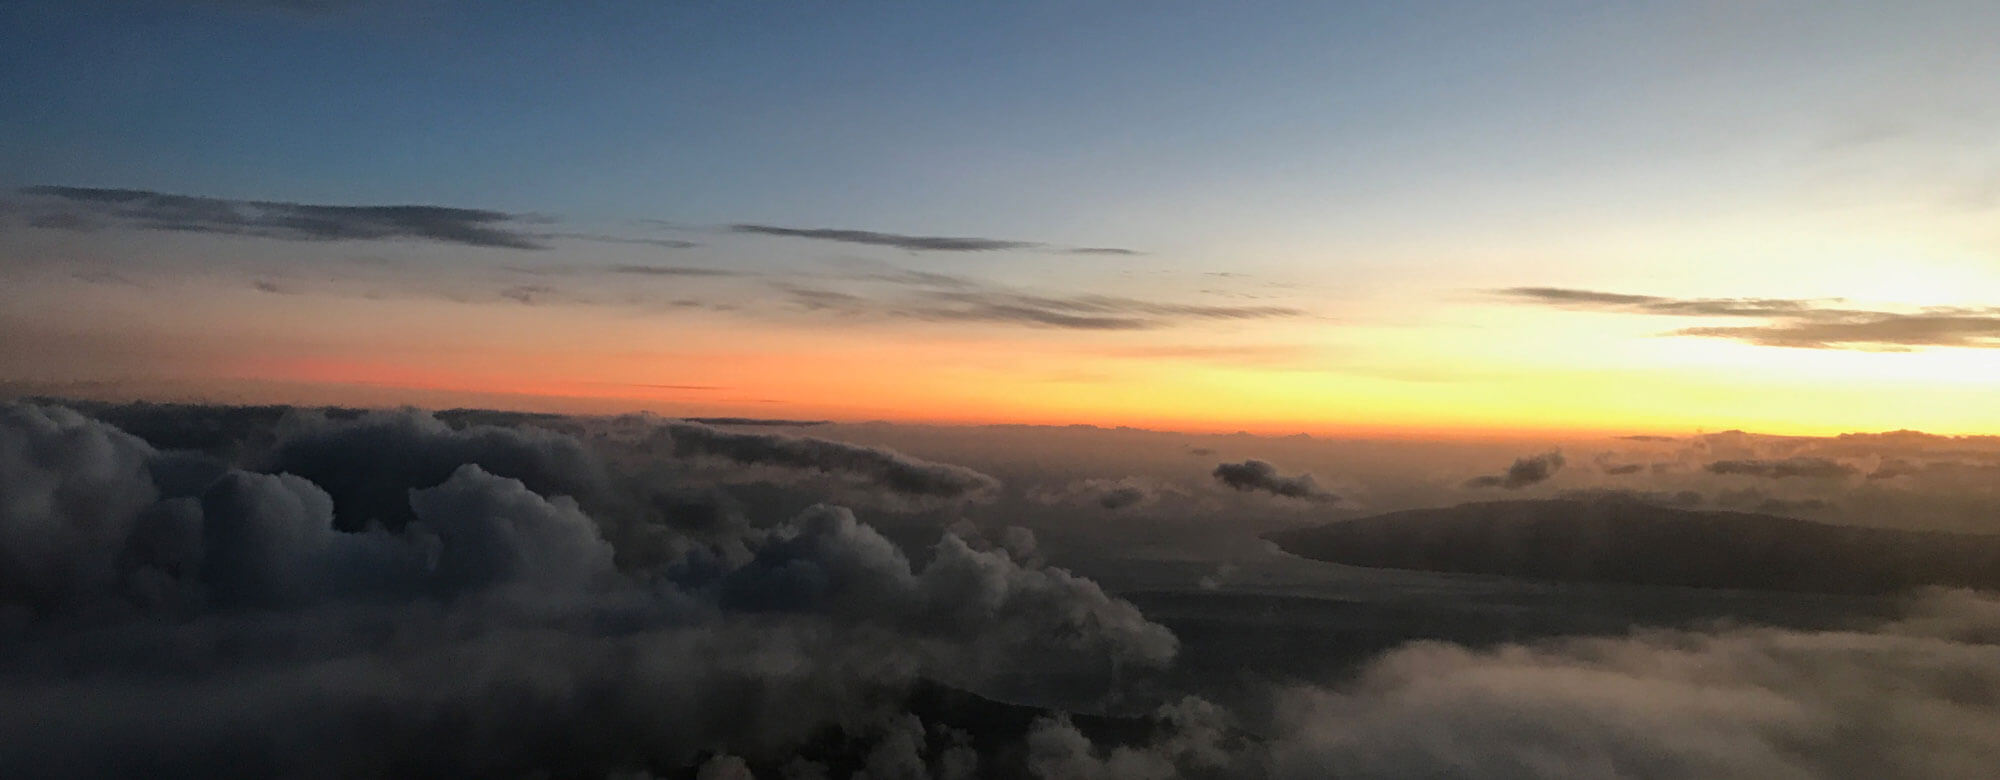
(1793, 322)
(148, 210)
(1524, 472)
(1260, 476)
(235, 629)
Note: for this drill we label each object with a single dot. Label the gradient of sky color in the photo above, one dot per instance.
(1326, 206)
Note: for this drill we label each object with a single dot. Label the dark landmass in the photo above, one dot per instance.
(1632, 542)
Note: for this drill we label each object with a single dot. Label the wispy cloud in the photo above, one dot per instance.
(1793, 322)
(663, 243)
(1882, 331)
(1653, 304)
(74, 207)
(896, 240)
(917, 243)
(980, 303)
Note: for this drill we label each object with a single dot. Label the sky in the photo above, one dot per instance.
(1322, 217)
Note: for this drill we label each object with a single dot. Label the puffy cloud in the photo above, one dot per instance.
(269, 541)
(1191, 738)
(1257, 475)
(371, 462)
(71, 489)
(1524, 472)
(826, 562)
(494, 530)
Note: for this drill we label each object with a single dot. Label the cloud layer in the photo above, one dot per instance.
(176, 613)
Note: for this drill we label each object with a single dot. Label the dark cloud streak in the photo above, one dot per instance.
(148, 210)
(915, 243)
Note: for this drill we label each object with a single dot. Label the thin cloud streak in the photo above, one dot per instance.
(917, 243)
(994, 305)
(149, 210)
(1792, 322)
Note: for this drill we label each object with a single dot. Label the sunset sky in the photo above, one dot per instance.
(1329, 218)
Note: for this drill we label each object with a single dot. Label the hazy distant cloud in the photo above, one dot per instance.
(663, 243)
(1103, 250)
(1810, 468)
(914, 243)
(1793, 322)
(530, 294)
(148, 210)
(1108, 494)
(1223, 354)
(669, 270)
(1525, 471)
(885, 468)
(1260, 476)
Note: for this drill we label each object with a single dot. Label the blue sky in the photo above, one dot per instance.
(928, 116)
(1378, 168)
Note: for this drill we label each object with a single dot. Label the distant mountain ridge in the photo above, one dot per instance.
(1624, 541)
